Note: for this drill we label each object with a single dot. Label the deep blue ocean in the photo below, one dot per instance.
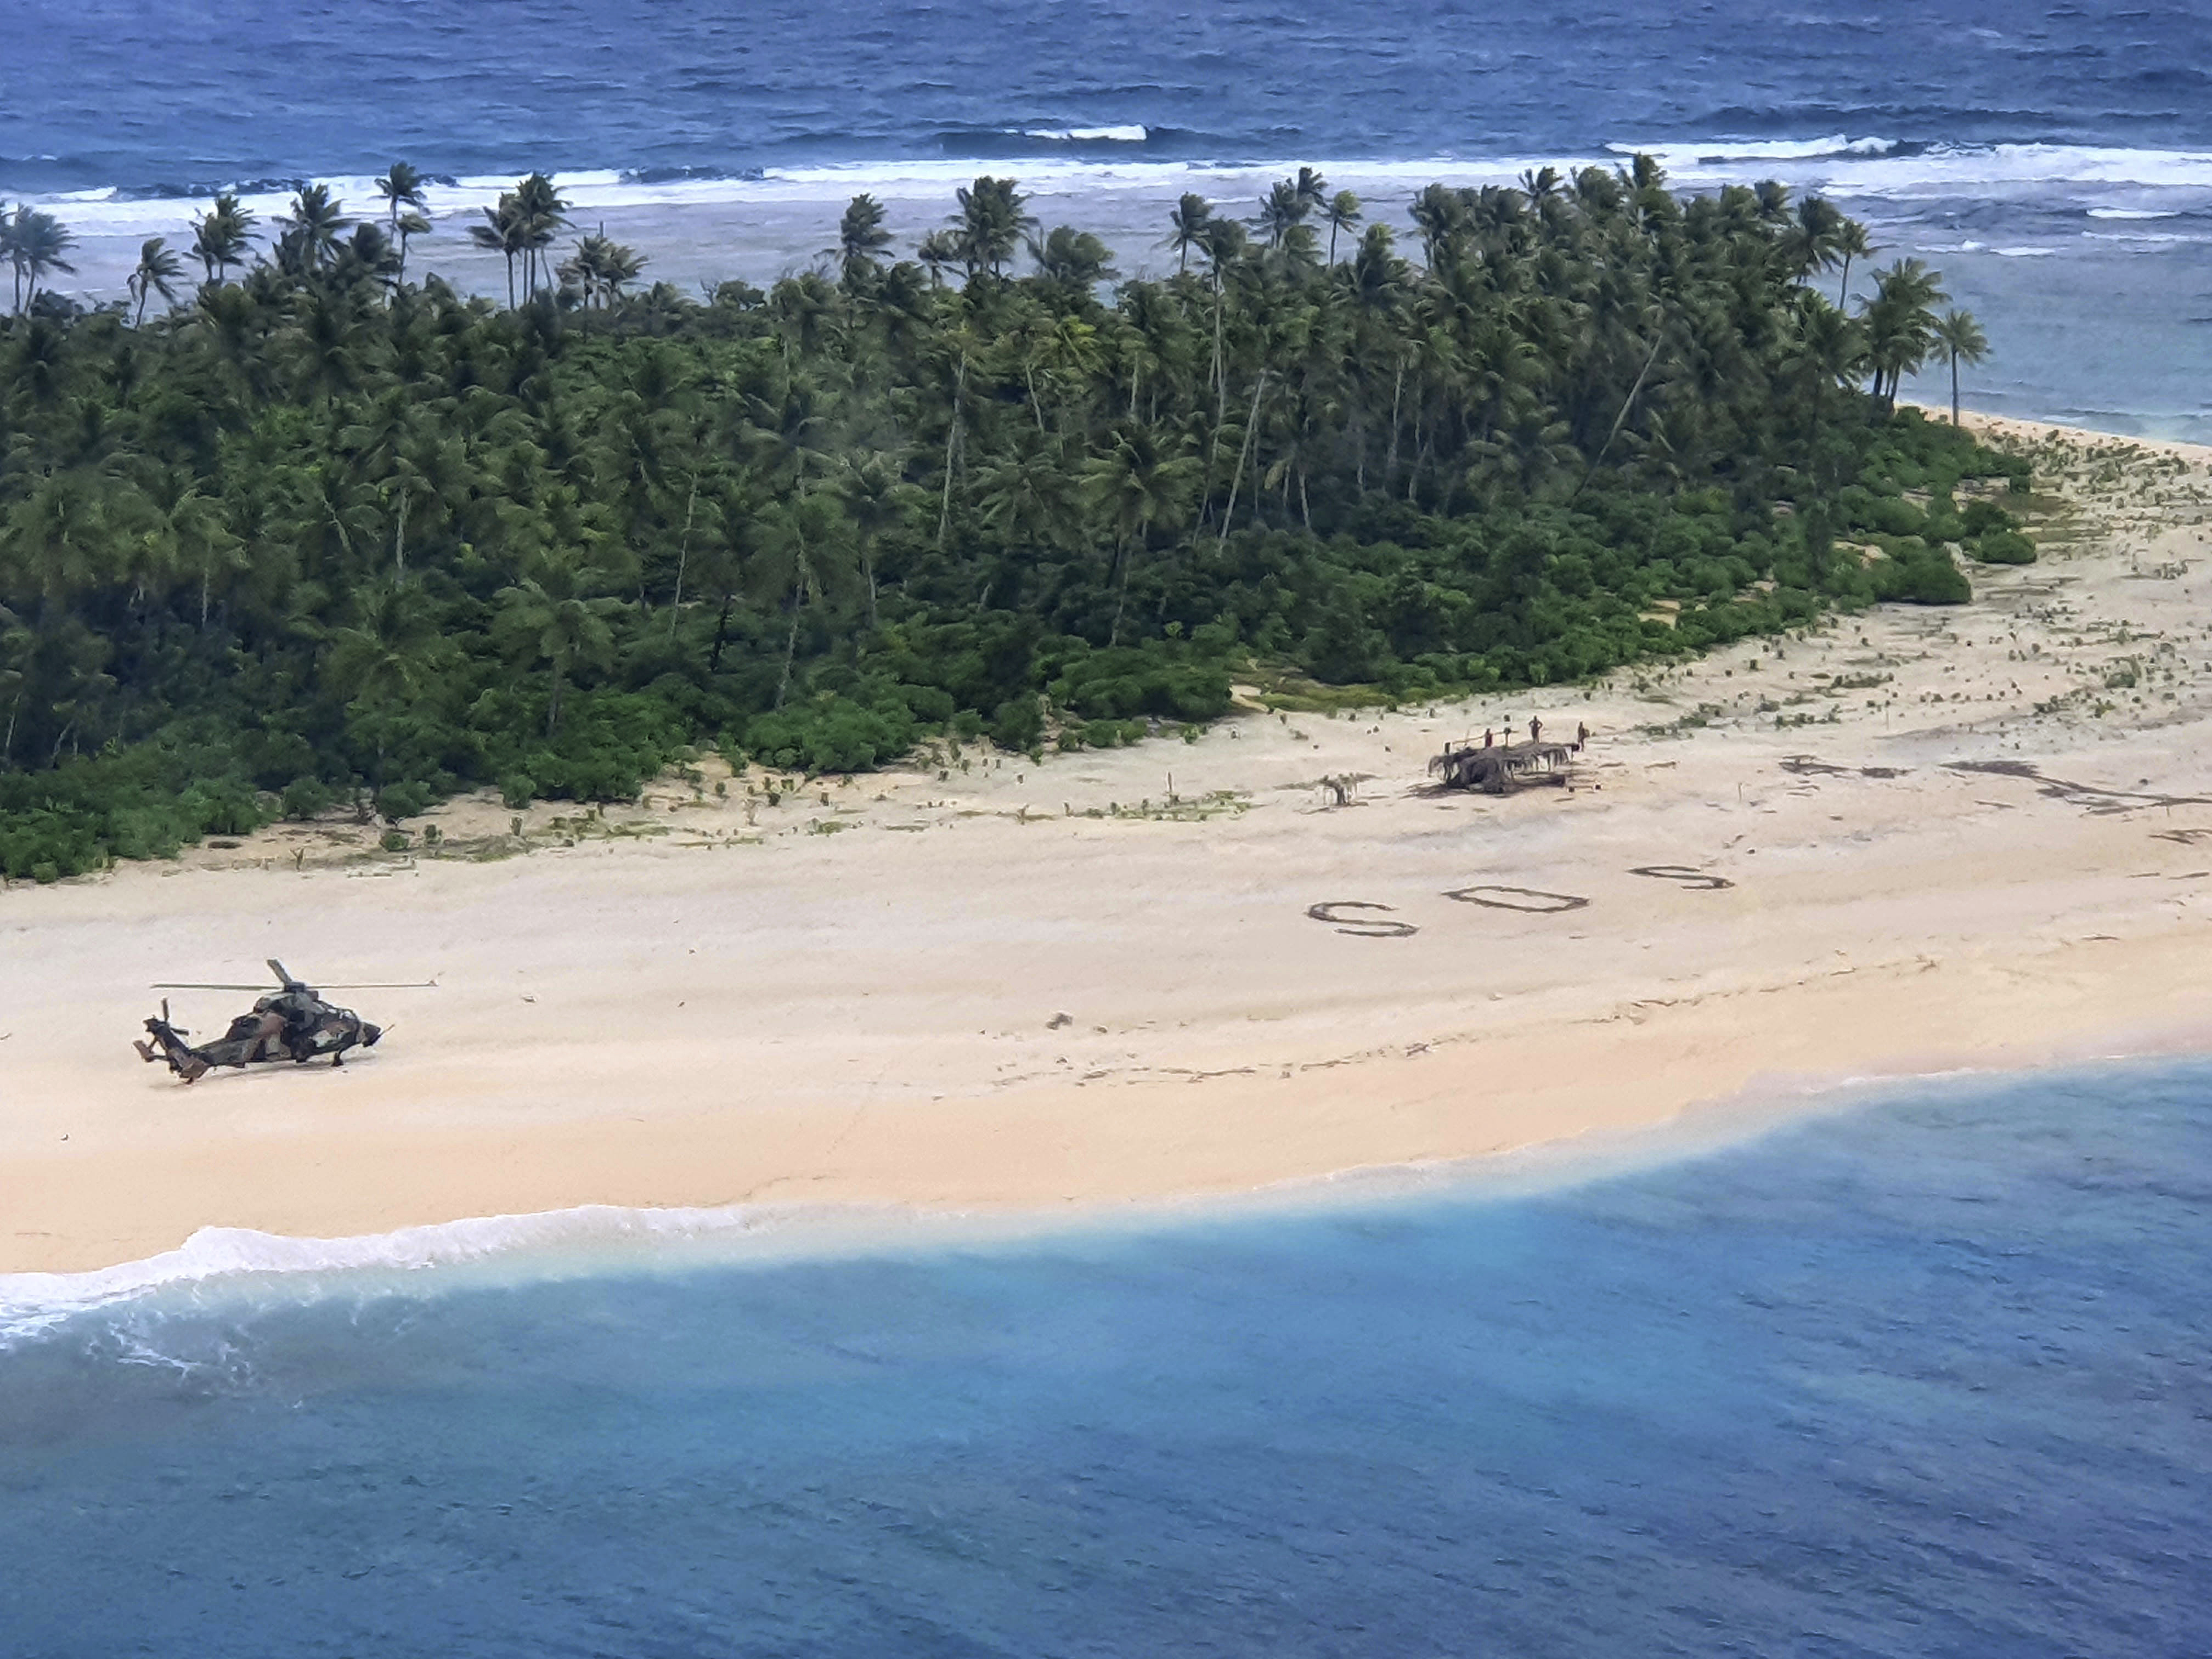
(144, 94)
(2055, 161)
(1930, 1377)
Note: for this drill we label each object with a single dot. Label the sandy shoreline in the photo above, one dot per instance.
(1991, 847)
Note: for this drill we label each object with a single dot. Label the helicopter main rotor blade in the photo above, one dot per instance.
(383, 985)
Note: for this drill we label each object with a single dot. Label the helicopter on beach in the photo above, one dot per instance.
(292, 1023)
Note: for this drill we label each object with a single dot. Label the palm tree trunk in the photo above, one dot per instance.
(790, 650)
(722, 637)
(1029, 377)
(1626, 404)
(1113, 633)
(1954, 388)
(399, 538)
(1397, 391)
(952, 450)
(1236, 478)
(682, 555)
(1220, 372)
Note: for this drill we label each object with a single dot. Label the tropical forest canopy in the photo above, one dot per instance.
(310, 530)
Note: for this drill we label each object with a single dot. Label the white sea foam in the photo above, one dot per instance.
(1859, 170)
(1672, 154)
(34, 1302)
(1129, 135)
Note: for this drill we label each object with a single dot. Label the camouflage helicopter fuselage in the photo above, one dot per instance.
(292, 1025)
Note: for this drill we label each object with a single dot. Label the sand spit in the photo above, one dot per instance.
(1916, 840)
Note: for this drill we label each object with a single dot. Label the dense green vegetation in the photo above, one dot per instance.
(320, 532)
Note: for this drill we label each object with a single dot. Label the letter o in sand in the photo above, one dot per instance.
(1360, 926)
(1511, 898)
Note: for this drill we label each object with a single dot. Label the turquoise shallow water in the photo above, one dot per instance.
(1928, 1377)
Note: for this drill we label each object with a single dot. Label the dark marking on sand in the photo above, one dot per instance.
(1548, 904)
(1811, 766)
(2183, 837)
(2094, 798)
(1694, 879)
(1361, 927)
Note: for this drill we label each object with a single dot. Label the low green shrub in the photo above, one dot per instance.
(1924, 577)
(1981, 517)
(2003, 547)
(306, 798)
(831, 733)
(405, 800)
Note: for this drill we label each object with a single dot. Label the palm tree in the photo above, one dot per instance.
(1848, 242)
(1827, 350)
(1900, 323)
(368, 254)
(555, 616)
(861, 237)
(1140, 483)
(806, 553)
(385, 660)
(1814, 240)
(939, 251)
(1280, 209)
(159, 271)
(312, 230)
(1024, 497)
(878, 499)
(991, 224)
(1439, 213)
(1189, 220)
(1342, 213)
(1075, 260)
(1959, 338)
(35, 242)
(620, 265)
(220, 236)
(544, 215)
(505, 232)
(401, 187)
(601, 268)
(404, 229)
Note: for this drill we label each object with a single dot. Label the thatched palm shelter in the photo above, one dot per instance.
(1497, 768)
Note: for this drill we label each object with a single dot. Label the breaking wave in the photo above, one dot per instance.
(2132, 183)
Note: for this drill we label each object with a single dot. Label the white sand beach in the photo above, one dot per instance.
(1916, 840)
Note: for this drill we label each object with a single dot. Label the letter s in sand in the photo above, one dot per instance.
(1360, 926)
